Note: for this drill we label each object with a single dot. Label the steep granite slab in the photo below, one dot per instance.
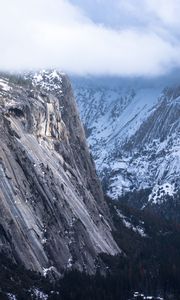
(52, 212)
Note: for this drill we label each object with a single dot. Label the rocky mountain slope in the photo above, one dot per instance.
(133, 130)
(52, 211)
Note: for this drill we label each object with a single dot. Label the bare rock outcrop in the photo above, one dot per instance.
(52, 212)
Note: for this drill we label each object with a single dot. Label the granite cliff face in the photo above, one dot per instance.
(52, 212)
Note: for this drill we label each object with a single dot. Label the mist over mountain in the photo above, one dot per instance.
(90, 163)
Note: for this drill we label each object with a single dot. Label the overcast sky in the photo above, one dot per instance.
(117, 37)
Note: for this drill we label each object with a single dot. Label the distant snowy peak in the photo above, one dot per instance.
(134, 133)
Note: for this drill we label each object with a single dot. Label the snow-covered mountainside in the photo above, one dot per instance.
(52, 212)
(133, 129)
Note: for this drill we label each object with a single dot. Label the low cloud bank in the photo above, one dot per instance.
(59, 34)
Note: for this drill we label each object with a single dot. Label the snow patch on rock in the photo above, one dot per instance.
(159, 191)
(126, 221)
(4, 85)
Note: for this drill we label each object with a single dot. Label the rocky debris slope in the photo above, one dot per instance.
(133, 131)
(52, 212)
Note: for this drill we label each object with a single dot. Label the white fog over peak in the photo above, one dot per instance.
(124, 38)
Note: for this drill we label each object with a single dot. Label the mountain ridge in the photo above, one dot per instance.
(53, 215)
(132, 132)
